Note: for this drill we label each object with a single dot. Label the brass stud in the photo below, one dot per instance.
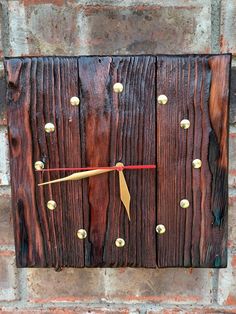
(51, 205)
(74, 101)
(185, 124)
(197, 163)
(117, 87)
(160, 229)
(49, 127)
(81, 234)
(39, 165)
(162, 99)
(184, 203)
(120, 242)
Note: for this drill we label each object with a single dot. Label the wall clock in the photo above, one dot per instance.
(146, 136)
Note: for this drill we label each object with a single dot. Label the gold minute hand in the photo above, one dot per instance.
(79, 176)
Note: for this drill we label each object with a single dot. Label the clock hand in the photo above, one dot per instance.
(124, 191)
(79, 176)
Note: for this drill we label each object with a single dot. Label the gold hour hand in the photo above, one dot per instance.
(78, 176)
(124, 191)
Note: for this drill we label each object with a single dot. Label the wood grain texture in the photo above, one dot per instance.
(104, 129)
(114, 128)
(129, 127)
(197, 89)
(39, 92)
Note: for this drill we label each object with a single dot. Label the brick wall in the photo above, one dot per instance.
(73, 27)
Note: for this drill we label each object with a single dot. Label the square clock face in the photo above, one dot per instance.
(119, 161)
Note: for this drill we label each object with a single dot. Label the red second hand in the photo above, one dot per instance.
(137, 167)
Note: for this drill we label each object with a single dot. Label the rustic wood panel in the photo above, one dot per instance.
(119, 127)
(39, 90)
(197, 89)
(28, 234)
(129, 127)
(104, 129)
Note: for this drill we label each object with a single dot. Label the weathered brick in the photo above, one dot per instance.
(227, 282)
(232, 115)
(159, 285)
(232, 220)
(37, 2)
(193, 310)
(91, 310)
(67, 285)
(77, 310)
(3, 118)
(6, 228)
(228, 30)
(4, 158)
(8, 280)
(121, 285)
(73, 28)
(232, 160)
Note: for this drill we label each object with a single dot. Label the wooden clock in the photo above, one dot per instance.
(119, 161)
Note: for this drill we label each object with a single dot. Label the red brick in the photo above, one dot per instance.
(6, 228)
(121, 285)
(72, 29)
(228, 30)
(8, 291)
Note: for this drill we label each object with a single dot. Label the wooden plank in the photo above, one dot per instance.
(41, 94)
(197, 89)
(218, 159)
(119, 127)
(28, 234)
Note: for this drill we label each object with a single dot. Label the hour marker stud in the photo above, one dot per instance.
(185, 124)
(120, 242)
(81, 234)
(74, 101)
(197, 163)
(39, 165)
(117, 87)
(184, 203)
(51, 205)
(162, 99)
(160, 229)
(49, 127)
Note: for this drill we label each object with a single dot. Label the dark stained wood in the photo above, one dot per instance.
(28, 234)
(197, 89)
(218, 160)
(38, 92)
(119, 127)
(104, 129)
(129, 127)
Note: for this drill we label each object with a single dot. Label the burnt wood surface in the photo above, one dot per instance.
(197, 89)
(129, 127)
